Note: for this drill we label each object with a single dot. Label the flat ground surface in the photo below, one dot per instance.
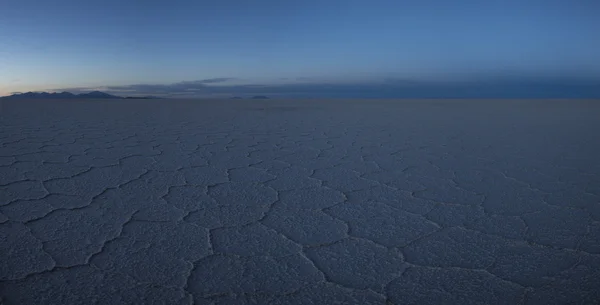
(300, 202)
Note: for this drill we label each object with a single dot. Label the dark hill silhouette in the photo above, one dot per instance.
(260, 97)
(62, 95)
(97, 94)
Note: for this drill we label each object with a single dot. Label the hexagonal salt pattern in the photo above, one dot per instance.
(328, 202)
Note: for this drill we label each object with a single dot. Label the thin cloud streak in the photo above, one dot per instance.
(217, 80)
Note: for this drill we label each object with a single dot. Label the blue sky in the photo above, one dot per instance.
(292, 45)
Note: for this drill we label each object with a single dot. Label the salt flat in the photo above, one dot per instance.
(300, 202)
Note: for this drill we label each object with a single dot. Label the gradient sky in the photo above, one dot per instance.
(48, 45)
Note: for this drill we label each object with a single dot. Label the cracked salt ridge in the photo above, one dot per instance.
(361, 203)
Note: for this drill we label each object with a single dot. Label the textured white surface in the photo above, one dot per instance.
(299, 202)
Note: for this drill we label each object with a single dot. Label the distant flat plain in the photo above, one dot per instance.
(300, 201)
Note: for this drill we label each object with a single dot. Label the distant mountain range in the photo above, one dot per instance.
(69, 95)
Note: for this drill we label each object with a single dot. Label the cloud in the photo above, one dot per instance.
(217, 80)
(386, 88)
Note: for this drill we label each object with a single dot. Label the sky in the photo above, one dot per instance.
(368, 48)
